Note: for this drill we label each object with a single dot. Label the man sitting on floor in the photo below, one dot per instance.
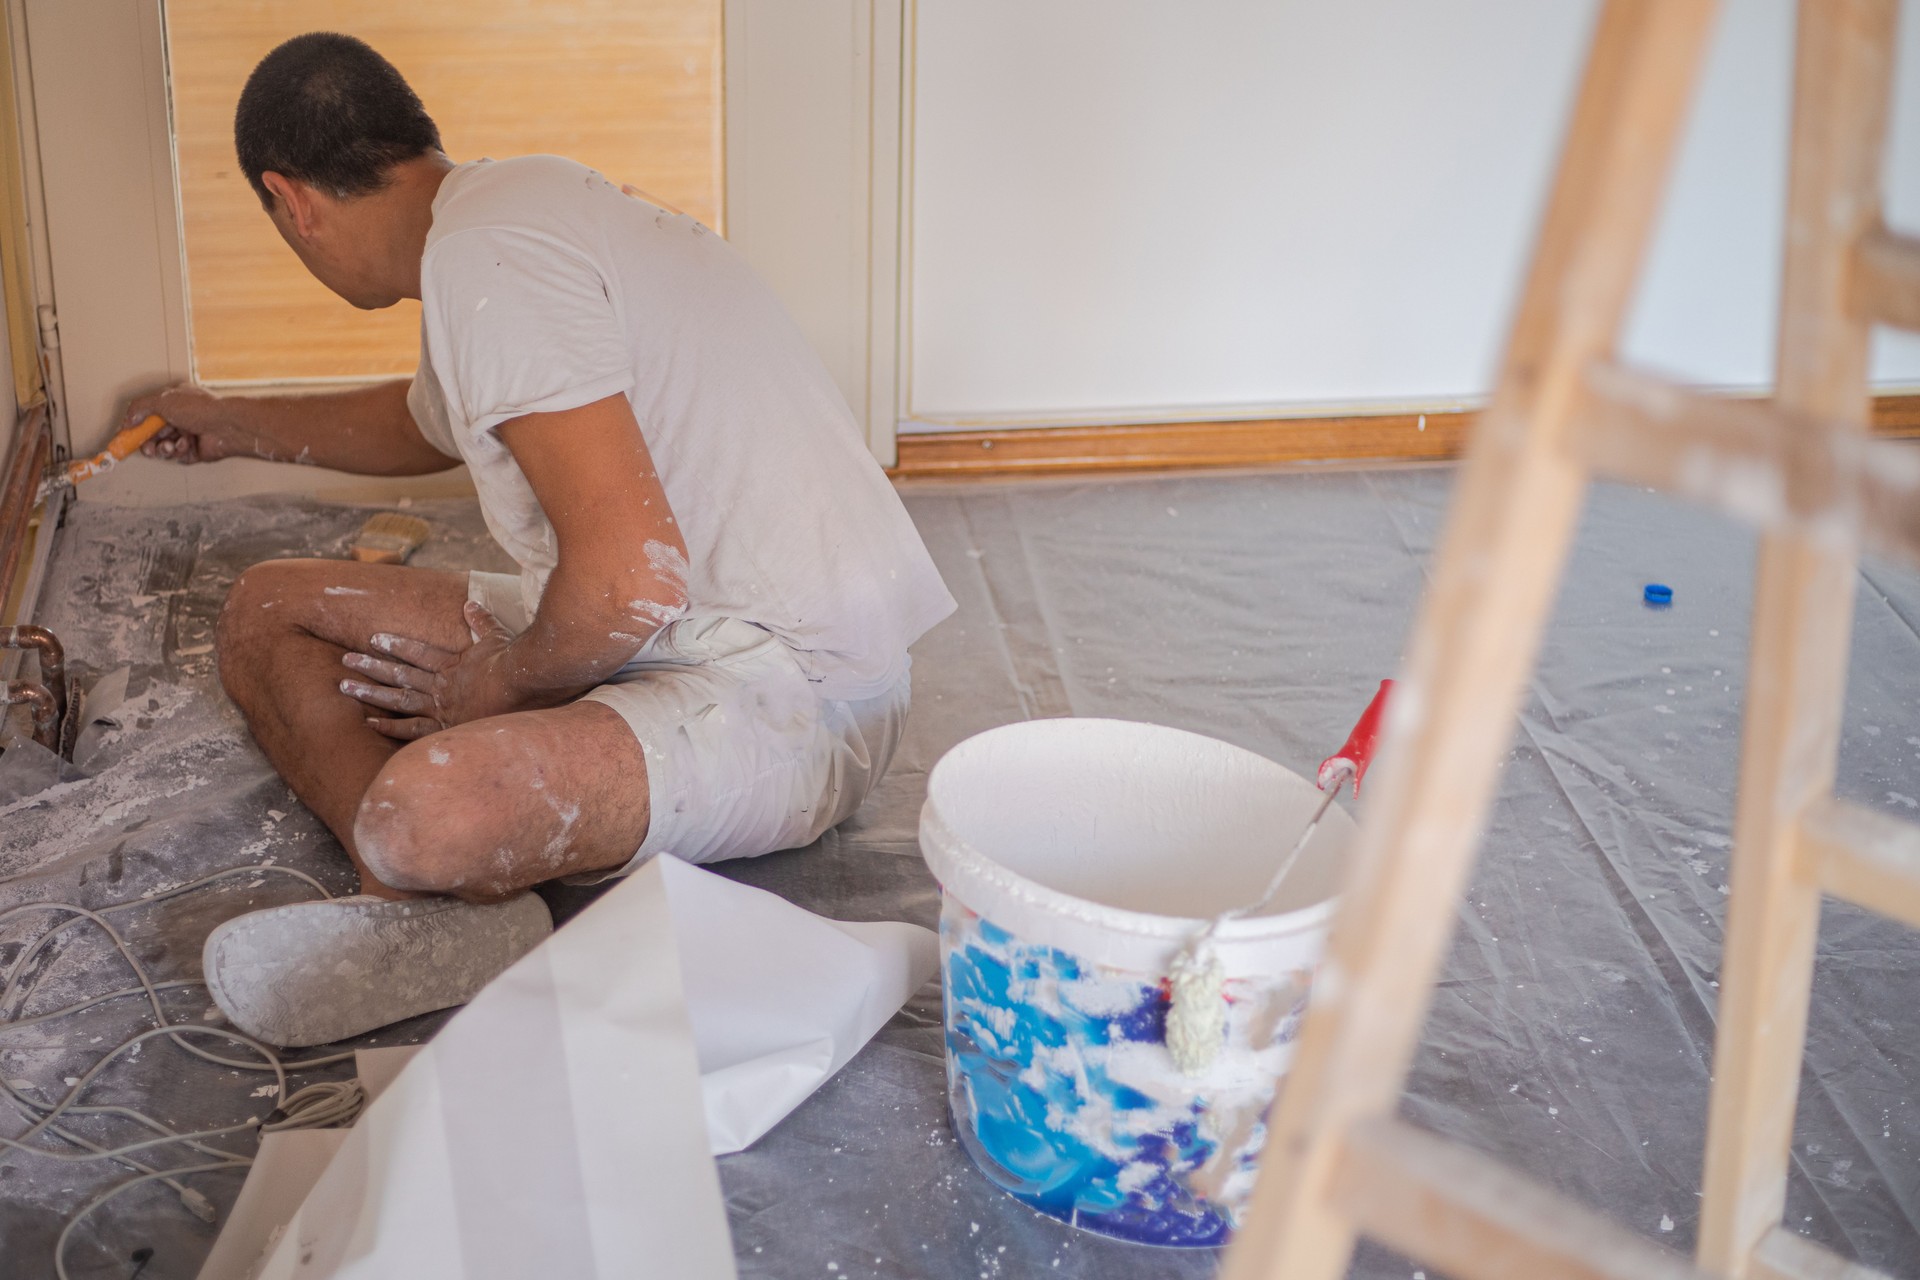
(705, 650)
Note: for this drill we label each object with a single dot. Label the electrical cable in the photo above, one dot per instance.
(16, 1023)
(79, 1086)
(60, 1245)
(115, 1153)
(196, 1204)
(83, 914)
(320, 1105)
(325, 1105)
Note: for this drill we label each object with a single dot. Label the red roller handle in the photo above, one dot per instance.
(1351, 760)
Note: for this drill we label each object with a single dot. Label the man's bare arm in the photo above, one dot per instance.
(367, 430)
(621, 576)
(622, 572)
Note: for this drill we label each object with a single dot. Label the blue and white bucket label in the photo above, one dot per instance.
(1064, 1094)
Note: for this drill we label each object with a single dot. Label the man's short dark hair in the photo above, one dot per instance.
(328, 110)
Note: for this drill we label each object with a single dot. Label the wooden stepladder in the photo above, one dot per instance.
(1338, 1163)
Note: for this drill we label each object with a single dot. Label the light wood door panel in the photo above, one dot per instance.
(631, 87)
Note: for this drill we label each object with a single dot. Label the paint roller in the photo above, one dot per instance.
(122, 446)
(1196, 1013)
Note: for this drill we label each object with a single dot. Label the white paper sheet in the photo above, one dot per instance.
(555, 1126)
(547, 1130)
(379, 1067)
(284, 1171)
(780, 998)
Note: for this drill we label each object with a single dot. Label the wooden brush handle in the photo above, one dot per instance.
(118, 449)
(123, 445)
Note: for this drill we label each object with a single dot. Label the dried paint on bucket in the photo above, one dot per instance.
(1049, 839)
(1061, 1074)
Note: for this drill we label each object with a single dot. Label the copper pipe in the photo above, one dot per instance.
(53, 659)
(19, 489)
(46, 720)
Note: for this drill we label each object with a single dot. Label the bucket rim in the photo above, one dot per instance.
(985, 872)
(958, 856)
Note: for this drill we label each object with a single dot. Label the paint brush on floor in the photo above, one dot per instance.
(118, 449)
(389, 538)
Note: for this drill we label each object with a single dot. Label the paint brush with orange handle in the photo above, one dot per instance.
(117, 450)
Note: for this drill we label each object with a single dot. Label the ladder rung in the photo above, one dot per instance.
(1751, 460)
(1782, 1255)
(1868, 858)
(1886, 278)
(1475, 1219)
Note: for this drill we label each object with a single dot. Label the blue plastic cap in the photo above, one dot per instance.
(1658, 593)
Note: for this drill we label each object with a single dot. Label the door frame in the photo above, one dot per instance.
(819, 163)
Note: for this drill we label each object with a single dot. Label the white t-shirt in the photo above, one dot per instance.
(545, 287)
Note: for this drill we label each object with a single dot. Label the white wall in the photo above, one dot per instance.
(1114, 209)
(1130, 210)
(106, 168)
(1706, 306)
(798, 189)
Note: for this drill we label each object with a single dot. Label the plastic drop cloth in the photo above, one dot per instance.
(1571, 1033)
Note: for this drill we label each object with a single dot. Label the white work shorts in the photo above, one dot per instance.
(743, 755)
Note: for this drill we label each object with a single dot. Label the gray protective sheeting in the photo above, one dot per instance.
(1572, 1030)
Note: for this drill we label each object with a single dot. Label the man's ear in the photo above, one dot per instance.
(294, 197)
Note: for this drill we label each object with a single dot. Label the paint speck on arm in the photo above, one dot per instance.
(667, 561)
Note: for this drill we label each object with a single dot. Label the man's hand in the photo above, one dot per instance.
(199, 426)
(621, 576)
(432, 688)
(366, 430)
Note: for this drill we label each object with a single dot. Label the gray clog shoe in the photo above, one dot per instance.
(317, 972)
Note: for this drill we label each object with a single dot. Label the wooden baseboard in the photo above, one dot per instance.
(1897, 416)
(1182, 446)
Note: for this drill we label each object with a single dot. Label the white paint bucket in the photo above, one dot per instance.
(1076, 857)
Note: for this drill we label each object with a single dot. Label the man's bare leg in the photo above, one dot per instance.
(478, 811)
(282, 634)
(482, 810)
(467, 817)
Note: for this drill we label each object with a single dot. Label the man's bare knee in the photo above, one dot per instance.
(420, 829)
(256, 611)
(403, 842)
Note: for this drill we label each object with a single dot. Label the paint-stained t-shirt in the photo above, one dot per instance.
(545, 287)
